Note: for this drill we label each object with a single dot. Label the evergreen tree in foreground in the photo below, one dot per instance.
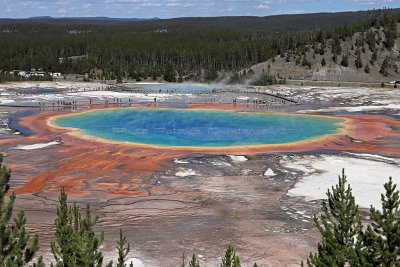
(14, 249)
(123, 250)
(382, 237)
(230, 259)
(194, 262)
(344, 243)
(339, 225)
(77, 244)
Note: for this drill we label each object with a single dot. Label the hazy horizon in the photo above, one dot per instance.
(18, 9)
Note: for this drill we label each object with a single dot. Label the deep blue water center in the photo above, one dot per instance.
(202, 128)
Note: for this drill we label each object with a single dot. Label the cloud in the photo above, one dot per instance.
(365, 2)
(62, 11)
(291, 11)
(181, 8)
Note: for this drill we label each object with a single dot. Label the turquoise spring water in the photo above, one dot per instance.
(202, 128)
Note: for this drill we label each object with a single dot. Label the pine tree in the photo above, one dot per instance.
(336, 46)
(230, 259)
(371, 41)
(345, 61)
(123, 250)
(339, 225)
(210, 74)
(305, 62)
(77, 244)
(358, 61)
(39, 263)
(119, 78)
(194, 262)
(334, 58)
(323, 62)
(382, 237)
(14, 249)
(169, 74)
(384, 67)
(366, 69)
(374, 57)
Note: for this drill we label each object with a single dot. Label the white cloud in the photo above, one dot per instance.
(150, 4)
(180, 8)
(365, 2)
(62, 11)
(291, 11)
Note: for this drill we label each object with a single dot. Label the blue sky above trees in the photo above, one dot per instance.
(180, 8)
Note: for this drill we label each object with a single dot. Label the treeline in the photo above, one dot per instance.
(185, 51)
(145, 54)
(275, 23)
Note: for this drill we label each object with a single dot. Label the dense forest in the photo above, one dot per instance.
(238, 23)
(151, 49)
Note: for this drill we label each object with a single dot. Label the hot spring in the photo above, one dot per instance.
(200, 128)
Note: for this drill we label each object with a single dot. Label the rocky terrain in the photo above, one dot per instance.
(286, 67)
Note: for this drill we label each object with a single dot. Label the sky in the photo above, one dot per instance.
(180, 8)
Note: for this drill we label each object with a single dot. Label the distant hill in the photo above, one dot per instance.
(74, 20)
(239, 23)
(272, 23)
(291, 66)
